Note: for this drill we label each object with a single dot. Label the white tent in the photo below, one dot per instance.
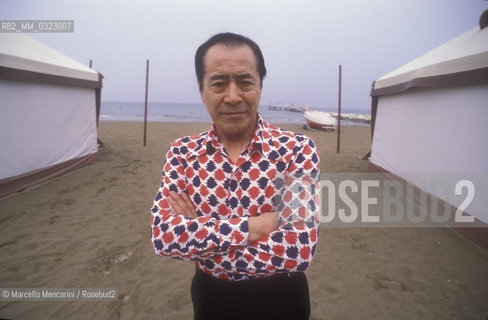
(49, 106)
(430, 120)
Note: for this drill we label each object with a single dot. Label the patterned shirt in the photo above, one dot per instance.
(277, 171)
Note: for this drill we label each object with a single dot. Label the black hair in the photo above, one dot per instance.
(231, 40)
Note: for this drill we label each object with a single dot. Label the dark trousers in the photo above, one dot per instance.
(282, 296)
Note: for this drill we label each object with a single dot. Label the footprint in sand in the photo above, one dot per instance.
(381, 282)
(120, 258)
(111, 179)
(54, 219)
(357, 243)
(61, 203)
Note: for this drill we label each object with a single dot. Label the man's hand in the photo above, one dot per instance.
(262, 225)
(181, 204)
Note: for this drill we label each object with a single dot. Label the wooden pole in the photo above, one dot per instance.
(145, 104)
(339, 112)
(98, 103)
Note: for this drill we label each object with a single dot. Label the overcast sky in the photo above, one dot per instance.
(303, 41)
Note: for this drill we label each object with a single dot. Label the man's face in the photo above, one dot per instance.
(231, 90)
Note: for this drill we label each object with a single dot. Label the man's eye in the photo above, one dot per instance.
(246, 85)
(218, 84)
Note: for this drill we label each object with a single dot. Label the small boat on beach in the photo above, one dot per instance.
(320, 120)
(362, 118)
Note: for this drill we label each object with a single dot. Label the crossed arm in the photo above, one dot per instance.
(258, 227)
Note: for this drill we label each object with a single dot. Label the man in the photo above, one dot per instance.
(239, 200)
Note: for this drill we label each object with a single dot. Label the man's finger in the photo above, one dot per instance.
(188, 204)
(182, 205)
(175, 203)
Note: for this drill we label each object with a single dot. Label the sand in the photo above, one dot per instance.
(90, 229)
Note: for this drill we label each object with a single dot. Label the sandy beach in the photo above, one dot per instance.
(90, 229)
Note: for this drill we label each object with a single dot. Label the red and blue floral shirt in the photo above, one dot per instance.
(277, 171)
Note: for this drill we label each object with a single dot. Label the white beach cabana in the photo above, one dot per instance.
(430, 120)
(49, 107)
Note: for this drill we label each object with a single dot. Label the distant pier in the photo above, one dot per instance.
(287, 107)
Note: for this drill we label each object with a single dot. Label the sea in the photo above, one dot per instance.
(196, 112)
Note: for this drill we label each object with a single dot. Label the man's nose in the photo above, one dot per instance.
(233, 94)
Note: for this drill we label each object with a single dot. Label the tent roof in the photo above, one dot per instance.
(461, 60)
(21, 53)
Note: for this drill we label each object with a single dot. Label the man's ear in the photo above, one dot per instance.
(200, 90)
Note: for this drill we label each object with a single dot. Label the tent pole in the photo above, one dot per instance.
(339, 113)
(98, 102)
(145, 104)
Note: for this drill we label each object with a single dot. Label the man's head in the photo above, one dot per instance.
(230, 40)
(230, 70)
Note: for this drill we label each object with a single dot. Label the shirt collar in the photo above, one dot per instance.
(262, 141)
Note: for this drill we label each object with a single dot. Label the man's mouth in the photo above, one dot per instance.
(234, 113)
